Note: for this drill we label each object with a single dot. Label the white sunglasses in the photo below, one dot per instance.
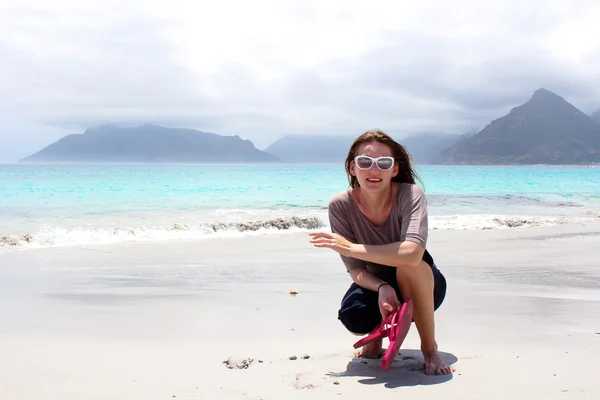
(365, 162)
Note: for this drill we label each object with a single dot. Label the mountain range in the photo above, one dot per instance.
(423, 147)
(546, 129)
(149, 144)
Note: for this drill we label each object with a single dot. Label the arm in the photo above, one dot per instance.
(387, 297)
(365, 279)
(397, 254)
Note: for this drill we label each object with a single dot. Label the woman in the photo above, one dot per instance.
(379, 229)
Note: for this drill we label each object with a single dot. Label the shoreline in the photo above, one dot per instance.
(270, 227)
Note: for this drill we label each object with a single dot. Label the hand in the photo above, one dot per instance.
(388, 301)
(332, 241)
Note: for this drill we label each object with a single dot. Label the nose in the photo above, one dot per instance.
(375, 166)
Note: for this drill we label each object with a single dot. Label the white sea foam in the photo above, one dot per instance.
(487, 221)
(240, 223)
(59, 237)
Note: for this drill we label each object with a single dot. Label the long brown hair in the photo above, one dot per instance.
(406, 173)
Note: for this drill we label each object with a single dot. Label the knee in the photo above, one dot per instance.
(414, 275)
(359, 320)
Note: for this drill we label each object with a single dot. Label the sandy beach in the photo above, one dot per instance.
(214, 319)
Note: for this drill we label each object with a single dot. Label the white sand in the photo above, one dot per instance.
(156, 321)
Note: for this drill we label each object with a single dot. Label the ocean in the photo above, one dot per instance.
(66, 205)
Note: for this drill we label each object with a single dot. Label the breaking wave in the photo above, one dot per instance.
(57, 237)
(486, 221)
(62, 236)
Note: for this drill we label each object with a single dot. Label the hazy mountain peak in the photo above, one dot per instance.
(543, 93)
(546, 129)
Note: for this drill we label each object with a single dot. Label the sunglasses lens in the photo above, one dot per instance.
(385, 163)
(364, 162)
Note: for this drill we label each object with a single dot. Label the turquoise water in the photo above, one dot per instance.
(60, 205)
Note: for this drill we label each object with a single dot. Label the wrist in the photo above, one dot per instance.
(351, 250)
(382, 285)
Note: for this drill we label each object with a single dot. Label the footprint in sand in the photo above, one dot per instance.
(304, 382)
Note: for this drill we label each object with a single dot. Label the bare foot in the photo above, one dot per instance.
(435, 364)
(371, 350)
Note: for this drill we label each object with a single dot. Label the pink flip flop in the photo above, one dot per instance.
(402, 320)
(380, 331)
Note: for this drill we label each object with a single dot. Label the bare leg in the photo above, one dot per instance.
(417, 284)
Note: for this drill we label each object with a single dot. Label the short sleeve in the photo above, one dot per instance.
(339, 222)
(414, 216)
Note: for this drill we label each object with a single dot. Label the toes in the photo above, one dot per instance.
(438, 367)
(431, 370)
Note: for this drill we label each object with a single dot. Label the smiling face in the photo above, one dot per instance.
(373, 179)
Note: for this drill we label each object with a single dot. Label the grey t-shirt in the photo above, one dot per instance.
(407, 221)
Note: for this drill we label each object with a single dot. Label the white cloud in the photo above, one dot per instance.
(265, 68)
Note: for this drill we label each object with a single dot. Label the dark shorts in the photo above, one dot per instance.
(359, 311)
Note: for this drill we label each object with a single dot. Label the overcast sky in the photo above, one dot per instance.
(263, 69)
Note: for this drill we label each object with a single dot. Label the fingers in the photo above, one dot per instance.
(315, 235)
(323, 242)
(384, 310)
(384, 313)
(395, 302)
(392, 305)
(322, 239)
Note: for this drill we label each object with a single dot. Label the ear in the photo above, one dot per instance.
(396, 169)
(351, 168)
